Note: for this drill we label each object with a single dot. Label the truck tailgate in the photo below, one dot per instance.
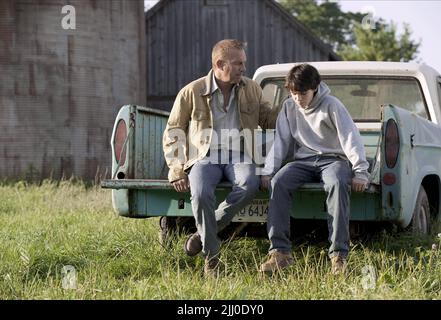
(152, 198)
(164, 184)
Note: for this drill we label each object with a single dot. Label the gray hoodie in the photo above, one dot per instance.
(323, 128)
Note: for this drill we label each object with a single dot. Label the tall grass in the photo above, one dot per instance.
(46, 228)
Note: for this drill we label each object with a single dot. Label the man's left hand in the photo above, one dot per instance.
(358, 185)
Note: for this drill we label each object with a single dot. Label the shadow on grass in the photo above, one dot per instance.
(51, 266)
(248, 247)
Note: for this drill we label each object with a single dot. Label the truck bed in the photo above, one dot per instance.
(144, 192)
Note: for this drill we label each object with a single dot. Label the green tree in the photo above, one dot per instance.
(346, 34)
(380, 44)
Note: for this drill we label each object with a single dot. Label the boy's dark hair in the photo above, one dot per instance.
(302, 77)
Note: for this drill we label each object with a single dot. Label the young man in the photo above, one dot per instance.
(202, 145)
(315, 129)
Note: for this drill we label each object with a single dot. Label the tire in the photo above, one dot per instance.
(167, 226)
(173, 226)
(420, 223)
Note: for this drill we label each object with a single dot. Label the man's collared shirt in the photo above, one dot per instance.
(226, 127)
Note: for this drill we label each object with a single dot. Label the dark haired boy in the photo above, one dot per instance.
(315, 129)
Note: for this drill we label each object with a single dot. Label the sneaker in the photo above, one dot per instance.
(338, 265)
(193, 245)
(211, 268)
(277, 261)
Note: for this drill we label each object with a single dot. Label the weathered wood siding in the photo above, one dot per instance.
(60, 90)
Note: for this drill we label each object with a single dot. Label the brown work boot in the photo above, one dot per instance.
(338, 265)
(211, 268)
(277, 261)
(193, 245)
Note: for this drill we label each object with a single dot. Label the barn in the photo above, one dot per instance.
(181, 33)
(61, 89)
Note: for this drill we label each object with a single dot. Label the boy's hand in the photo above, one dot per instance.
(358, 185)
(265, 182)
(181, 185)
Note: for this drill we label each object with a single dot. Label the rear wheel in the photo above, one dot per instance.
(420, 223)
(167, 226)
(173, 226)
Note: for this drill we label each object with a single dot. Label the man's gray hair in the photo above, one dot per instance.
(222, 48)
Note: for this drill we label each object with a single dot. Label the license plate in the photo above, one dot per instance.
(256, 211)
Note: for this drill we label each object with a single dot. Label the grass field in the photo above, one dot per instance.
(48, 229)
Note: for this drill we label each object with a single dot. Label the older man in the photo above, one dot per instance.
(208, 139)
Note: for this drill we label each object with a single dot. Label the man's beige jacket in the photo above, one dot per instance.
(189, 129)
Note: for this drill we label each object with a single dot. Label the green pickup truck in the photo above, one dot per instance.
(396, 106)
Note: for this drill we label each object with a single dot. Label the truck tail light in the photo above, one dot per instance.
(391, 144)
(389, 178)
(118, 142)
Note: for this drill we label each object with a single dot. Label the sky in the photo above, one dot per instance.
(422, 16)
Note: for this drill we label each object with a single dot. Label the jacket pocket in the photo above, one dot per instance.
(249, 108)
(199, 114)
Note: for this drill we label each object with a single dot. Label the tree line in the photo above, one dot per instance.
(354, 35)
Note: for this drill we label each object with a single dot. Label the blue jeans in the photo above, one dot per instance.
(204, 177)
(336, 175)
